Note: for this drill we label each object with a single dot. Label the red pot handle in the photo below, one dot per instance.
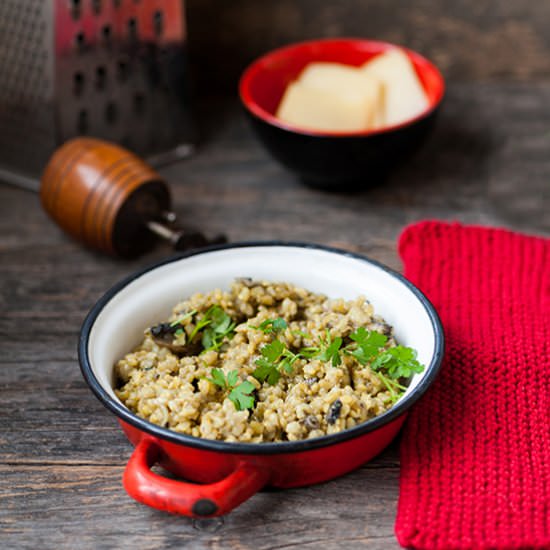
(189, 499)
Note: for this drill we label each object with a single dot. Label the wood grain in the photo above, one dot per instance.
(467, 39)
(61, 452)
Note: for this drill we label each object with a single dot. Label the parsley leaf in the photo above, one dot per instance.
(266, 370)
(368, 344)
(329, 349)
(239, 394)
(273, 351)
(390, 365)
(218, 378)
(204, 322)
(286, 363)
(219, 327)
(215, 325)
(232, 379)
(399, 362)
(271, 325)
(275, 356)
(267, 367)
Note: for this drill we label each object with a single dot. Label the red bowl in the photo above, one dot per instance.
(330, 159)
(225, 473)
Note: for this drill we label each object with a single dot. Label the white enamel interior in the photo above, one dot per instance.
(149, 298)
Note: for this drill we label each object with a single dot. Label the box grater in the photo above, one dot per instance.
(114, 69)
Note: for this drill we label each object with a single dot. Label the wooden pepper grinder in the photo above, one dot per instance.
(111, 200)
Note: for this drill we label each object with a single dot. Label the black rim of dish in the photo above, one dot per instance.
(258, 448)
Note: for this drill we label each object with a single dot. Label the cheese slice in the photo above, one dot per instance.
(317, 109)
(405, 96)
(351, 84)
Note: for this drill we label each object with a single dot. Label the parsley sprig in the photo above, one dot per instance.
(391, 365)
(239, 394)
(179, 323)
(180, 320)
(215, 325)
(327, 350)
(270, 326)
(366, 344)
(275, 357)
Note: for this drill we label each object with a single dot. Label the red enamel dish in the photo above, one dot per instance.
(333, 159)
(220, 475)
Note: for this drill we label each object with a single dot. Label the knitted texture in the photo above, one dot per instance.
(475, 451)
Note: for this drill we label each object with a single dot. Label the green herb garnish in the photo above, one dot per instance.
(367, 344)
(327, 350)
(239, 394)
(181, 319)
(219, 378)
(275, 356)
(220, 327)
(398, 362)
(390, 365)
(271, 325)
(300, 333)
(242, 397)
(215, 325)
(368, 347)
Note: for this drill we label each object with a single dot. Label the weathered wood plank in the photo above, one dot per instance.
(91, 510)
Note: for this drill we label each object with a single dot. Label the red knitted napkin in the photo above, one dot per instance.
(475, 451)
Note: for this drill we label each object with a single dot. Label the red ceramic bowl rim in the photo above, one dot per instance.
(255, 67)
(145, 426)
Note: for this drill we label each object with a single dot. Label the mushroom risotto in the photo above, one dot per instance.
(265, 362)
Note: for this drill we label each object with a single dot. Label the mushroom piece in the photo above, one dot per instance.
(334, 411)
(246, 281)
(164, 335)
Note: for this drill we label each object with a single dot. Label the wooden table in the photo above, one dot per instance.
(62, 454)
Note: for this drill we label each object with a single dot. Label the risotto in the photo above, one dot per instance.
(265, 362)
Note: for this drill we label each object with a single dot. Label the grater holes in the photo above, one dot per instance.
(116, 4)
(106, 34)
(25, 124)
(80, 41)
(158, 22)
(111, 112)
(132, 29)
(123, 70)
(100, 77)
(96, 6)
(78, 83)
(75, 8)
(82, 122)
